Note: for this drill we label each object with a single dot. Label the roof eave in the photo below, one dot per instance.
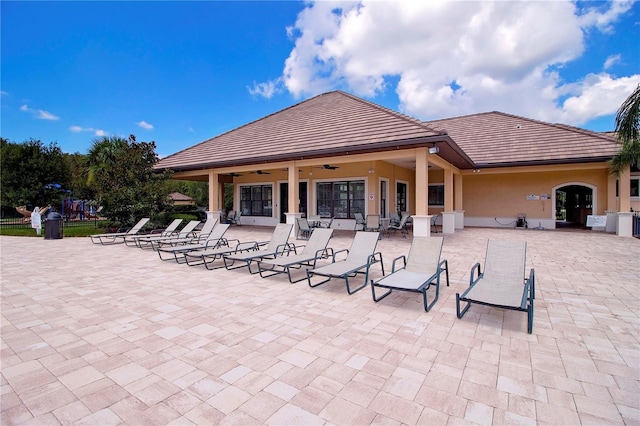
(332, 152)
(544, 162)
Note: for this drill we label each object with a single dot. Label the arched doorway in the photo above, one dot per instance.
(572, 203)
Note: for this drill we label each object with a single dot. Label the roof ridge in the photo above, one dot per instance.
(532, 120)
(386, 110)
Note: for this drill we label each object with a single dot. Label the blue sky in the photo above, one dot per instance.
(179, 73)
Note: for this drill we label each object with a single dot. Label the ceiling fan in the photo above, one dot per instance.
(234, 174)
(261, 172)
(327, 167)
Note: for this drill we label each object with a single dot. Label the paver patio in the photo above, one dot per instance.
(112, 335)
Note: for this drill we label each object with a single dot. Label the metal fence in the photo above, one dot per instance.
(636, 225)
(21, 223)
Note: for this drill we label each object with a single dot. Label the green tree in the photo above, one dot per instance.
(31, 174)
(628, 130)
(78, 177)
(199, 191)
(120, 171)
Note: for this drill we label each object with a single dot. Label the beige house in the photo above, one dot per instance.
(335, 155)
(180, 199)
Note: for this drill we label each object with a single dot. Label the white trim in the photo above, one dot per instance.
(257, 220)
(594, 194)
(277, 196)
(444, 195)
(395, 201)
(380, 180)
(332, 180)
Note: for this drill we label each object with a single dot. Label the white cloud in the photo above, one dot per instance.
(39, 113)
(453, 58)
(46, 115)
(611, 61)
(266, 90)
(3, 93)
(144, 125)
(96, 132)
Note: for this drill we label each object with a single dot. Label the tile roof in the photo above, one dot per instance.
(325, 125)
(177, 196)
(499, 139)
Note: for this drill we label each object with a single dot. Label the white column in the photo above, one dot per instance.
(625, 224)
(448, 222)
(612, 221)
(421, 225)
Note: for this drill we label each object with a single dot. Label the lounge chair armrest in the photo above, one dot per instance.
(324, 253)
(404, 263)
(286, 248)
(247, 246)
(335, 254)
(531, 282)
(328, 252)
(375, 257)
(215, 243)
(232, 240)
(477, 269)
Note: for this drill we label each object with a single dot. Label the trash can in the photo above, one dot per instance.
(53, 226)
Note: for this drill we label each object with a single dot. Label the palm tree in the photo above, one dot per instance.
(628, 130)
(103, 154)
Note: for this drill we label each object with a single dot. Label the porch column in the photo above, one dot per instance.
(422, 220)
(448, 215)
(214, 210)
(457, 200)
(625, 217)
(294, 195)
(612, 205)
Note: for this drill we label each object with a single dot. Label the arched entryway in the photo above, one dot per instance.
(572, 203)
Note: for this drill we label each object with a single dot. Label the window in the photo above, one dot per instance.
(256, 200)
(340, 199)
(436, 195)
(401, 197)
(635, 186)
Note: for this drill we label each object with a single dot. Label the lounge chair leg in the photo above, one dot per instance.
(309, 274)
(530, 317)
(373, 293)
(349, 291)
(459, 312)
(428, 306)
(446, 269)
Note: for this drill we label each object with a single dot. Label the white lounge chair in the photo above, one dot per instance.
(421, 269)
(214, 240)
(277, 245)
(118, 237)
(187, 232)
(316, 248)
(503, 283)
(167, 232)
(361, 255)
(208, 256)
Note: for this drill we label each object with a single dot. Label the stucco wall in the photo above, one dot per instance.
(493, 197)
